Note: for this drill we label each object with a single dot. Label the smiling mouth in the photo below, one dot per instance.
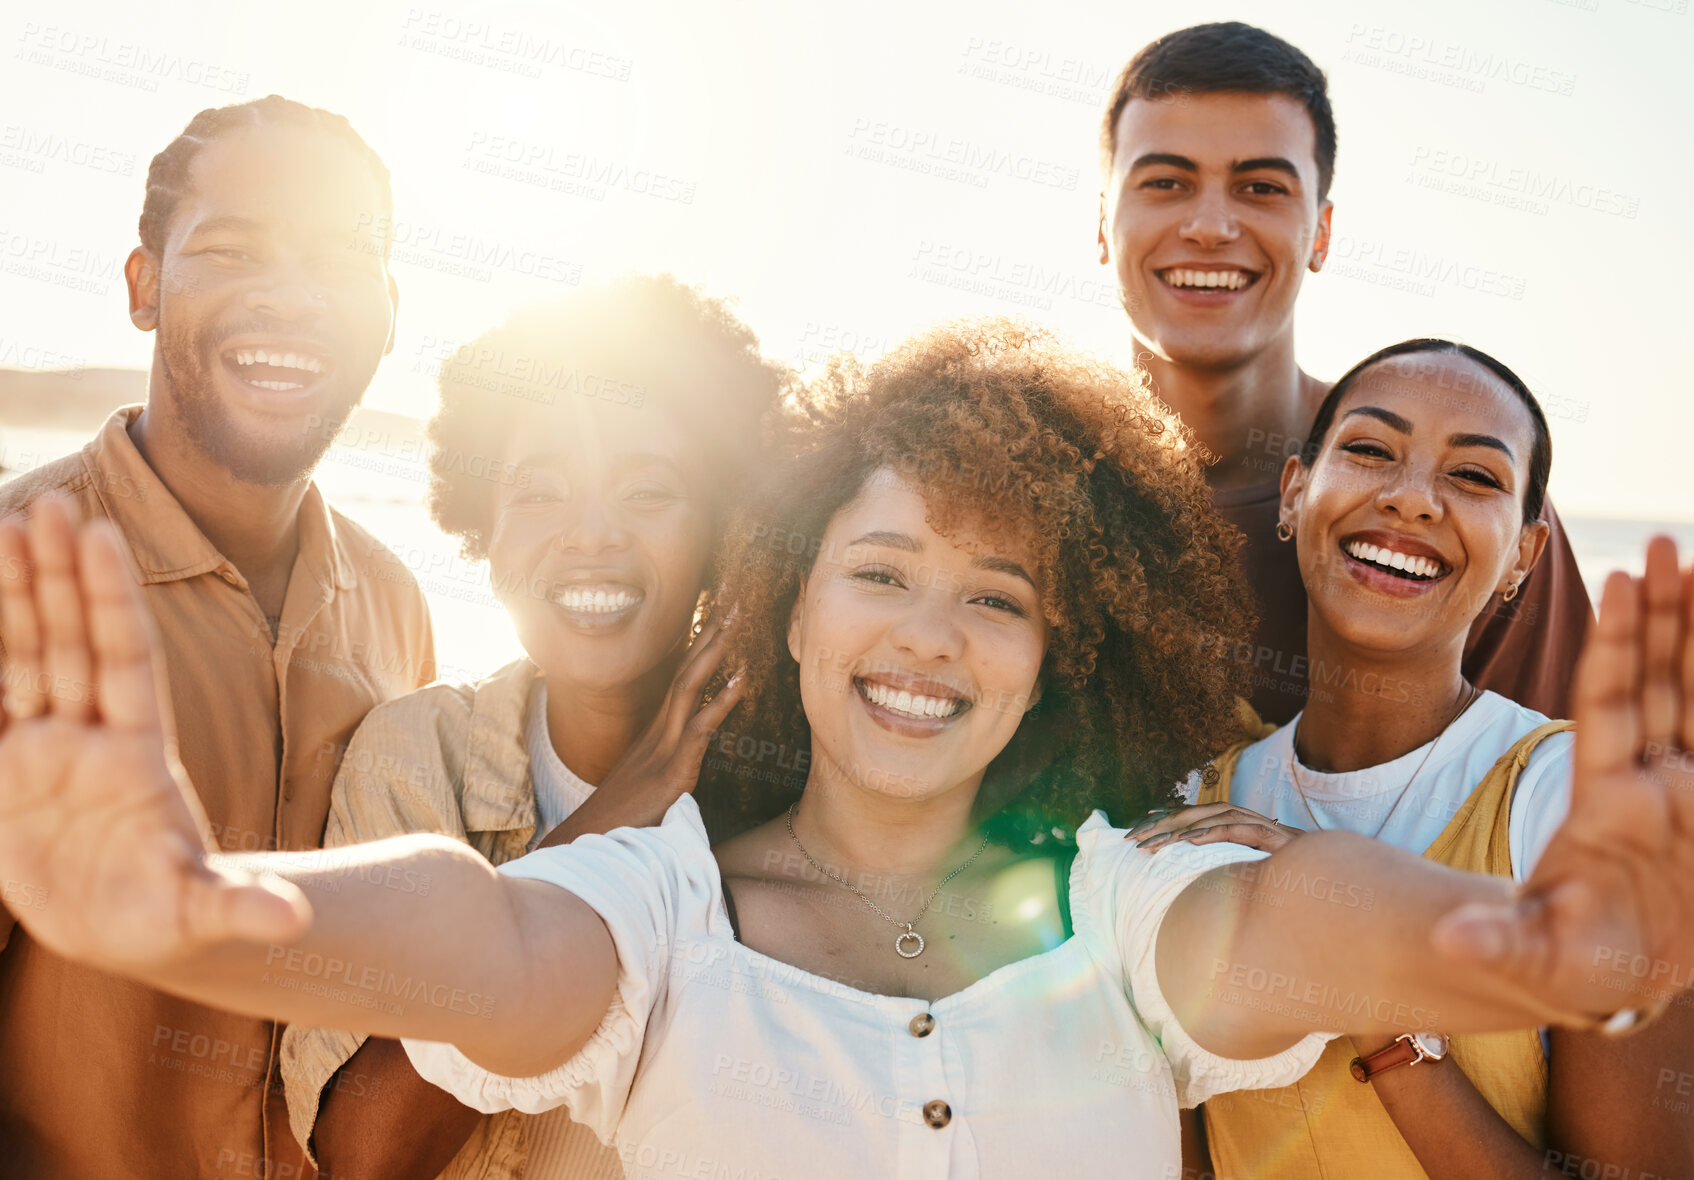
(277, 370)
(1411, 567)
(917, 706)
(1186, 279)
(600, 598)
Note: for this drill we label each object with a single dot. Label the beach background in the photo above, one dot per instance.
(374, 475)
(1511, 174)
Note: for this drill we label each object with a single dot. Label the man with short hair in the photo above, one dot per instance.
(263, 271)
(1217, 149)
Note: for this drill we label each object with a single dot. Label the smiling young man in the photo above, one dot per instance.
(1217, 150)
(283, 622)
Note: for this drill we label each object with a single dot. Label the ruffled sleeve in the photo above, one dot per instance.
(648, 885)
(1120, 898)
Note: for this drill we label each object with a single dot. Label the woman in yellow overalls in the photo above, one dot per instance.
(1414, 509)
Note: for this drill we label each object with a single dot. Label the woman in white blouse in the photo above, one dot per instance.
(996, 524)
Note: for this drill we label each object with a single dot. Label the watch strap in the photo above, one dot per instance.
(1402, 1051)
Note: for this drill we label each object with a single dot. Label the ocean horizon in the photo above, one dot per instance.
(379, 479)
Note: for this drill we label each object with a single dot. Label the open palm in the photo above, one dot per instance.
(1606, 920)
(96, 816)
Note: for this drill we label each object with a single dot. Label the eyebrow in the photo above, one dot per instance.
(1257, 163)
(1149, 159)
(541, 459)
(1453, 440)
(1004, 565)
(1480, 440)
(889, 540)
(1389, 416)
(622, 459)
(216, 224)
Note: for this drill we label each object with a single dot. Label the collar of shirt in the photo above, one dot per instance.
(166, 543)
(498, 794)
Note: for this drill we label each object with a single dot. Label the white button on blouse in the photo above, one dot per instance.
(716, 1060)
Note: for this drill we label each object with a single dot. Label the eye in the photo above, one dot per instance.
(652, 495)
(1265, 188)
(1001, 603)
(1161, 183)
(229, 253)
(1368, 449)
(1478, 476)
(878, 575)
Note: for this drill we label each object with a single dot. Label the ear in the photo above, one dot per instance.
(1320, 241)
(1532, 542)
(1293, 491)
(141, 273)
(393, 313)
(1100, 233)
(794, 613)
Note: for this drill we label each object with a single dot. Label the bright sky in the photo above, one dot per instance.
(1513, 173)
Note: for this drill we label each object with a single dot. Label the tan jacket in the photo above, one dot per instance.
(448, 759)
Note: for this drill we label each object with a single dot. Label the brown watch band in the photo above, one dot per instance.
(1403, 1050)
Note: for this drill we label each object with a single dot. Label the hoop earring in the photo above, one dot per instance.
(1284, 532)
(1510, 593)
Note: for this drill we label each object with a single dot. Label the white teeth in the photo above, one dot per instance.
(1229, 280)
(911, 704)
(281, 360)
(587, 600)
(1422, 567)
(279, 386)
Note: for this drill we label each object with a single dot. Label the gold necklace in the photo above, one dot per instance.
(899, 942)
(1294, 767)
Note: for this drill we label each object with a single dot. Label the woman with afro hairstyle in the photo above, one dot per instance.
(985, 593)
(590, 449)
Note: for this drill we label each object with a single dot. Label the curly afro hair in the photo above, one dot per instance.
(644, 343)
(999, 427)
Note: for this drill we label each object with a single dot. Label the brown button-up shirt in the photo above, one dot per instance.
(106, 1079)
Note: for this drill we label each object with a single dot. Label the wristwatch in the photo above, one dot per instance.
(1406, 1049)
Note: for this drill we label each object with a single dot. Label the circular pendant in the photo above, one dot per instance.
(900, 947)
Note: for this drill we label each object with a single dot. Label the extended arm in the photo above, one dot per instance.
(1255, 955)
(96, 816)
(516, 973)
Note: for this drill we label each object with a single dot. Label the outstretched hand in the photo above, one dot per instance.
(1606, 921)
(97, 819)
(663, 764)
